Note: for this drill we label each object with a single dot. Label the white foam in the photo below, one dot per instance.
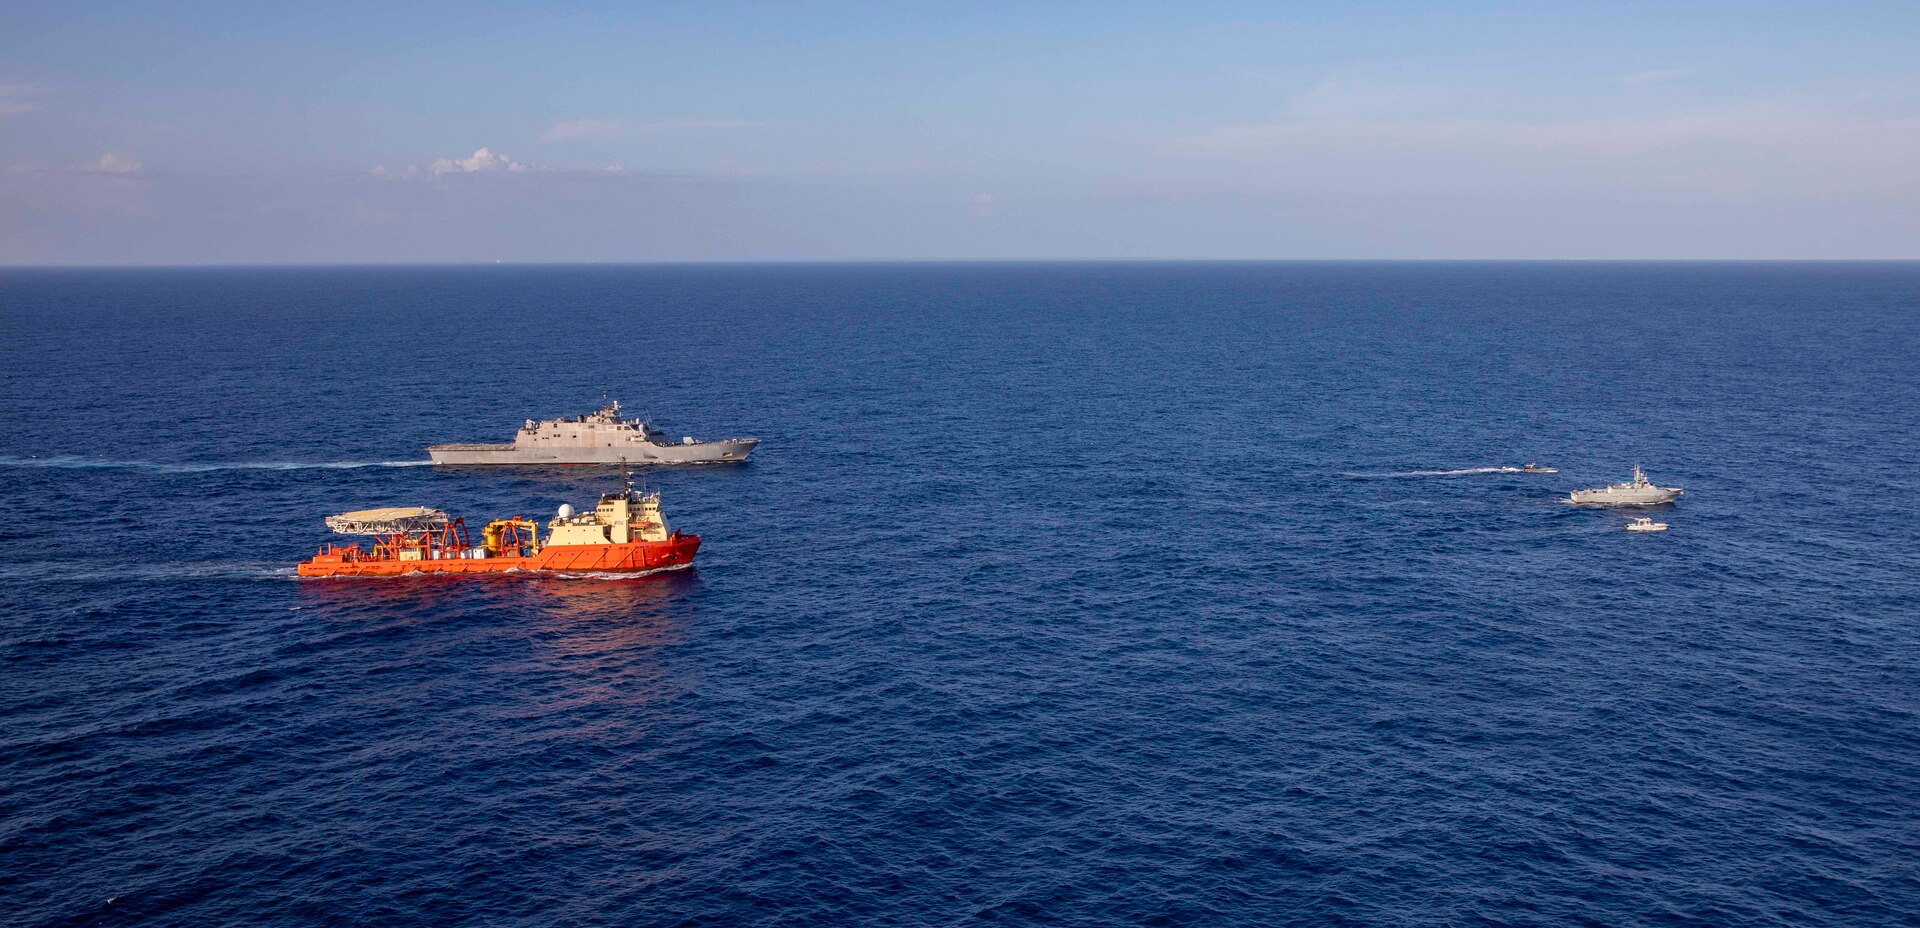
(208, 570)
(1442, 473)
(620, 575)
(79, 463)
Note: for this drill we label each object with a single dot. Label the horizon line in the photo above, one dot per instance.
(738, 262)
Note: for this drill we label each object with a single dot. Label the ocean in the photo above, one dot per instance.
(1058, 594)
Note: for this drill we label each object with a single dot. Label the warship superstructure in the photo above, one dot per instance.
(602, 437)
(1636, 492)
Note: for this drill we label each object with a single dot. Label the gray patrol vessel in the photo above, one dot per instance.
(1636, 492)
(598, 438)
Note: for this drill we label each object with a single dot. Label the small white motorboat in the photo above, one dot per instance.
(1533, 468)
(1646, 525)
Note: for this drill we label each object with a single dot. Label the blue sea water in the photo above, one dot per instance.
(1075, 594)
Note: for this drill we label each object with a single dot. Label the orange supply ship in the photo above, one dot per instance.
(626, 533)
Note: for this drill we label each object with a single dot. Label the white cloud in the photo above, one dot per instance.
(487, 162)
(18, 98)
(111, 163)
(481, 160)
(113, 184)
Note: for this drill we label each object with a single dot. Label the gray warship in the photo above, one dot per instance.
(602, 437)
(1636, 492)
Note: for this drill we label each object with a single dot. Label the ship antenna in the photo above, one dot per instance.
(628, 471)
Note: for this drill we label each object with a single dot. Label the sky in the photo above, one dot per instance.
(213, 133)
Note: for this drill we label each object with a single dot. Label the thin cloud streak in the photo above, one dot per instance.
(1756, 150)
(597, 129)
(112, 163)
(483, 162)
(574, 129)
(1658, 76)
(16, 99)
(117, 164)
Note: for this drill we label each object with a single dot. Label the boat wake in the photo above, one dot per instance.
(214, 570)
(620, 575)
(1441, 473)
(73, 462)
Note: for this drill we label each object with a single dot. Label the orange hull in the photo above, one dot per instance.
(632, 557)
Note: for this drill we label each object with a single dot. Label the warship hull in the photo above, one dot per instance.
(1626, 496)
(730, 451)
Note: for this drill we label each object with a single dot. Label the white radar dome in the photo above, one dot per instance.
(566, 510)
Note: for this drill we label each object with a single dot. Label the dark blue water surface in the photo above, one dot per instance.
(1057, 594)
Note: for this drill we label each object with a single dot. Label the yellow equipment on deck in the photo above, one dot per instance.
(505, 533)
